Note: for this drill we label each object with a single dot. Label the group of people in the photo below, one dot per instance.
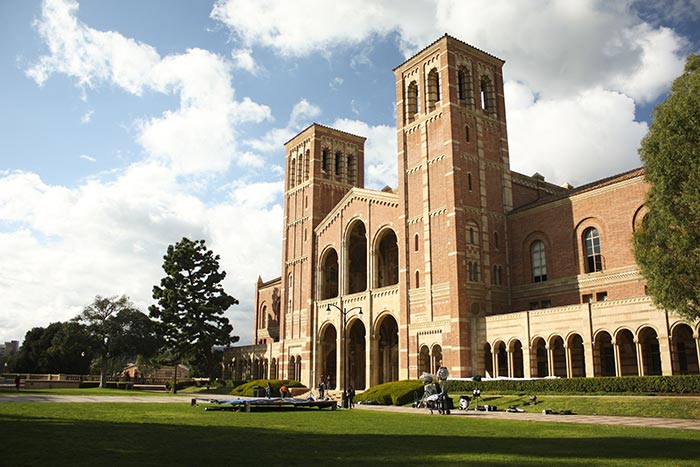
(323, 386)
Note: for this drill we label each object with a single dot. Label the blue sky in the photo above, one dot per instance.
(127, 124)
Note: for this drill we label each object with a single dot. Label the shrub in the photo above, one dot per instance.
(681, 384)
(395, 393)
(248, 389)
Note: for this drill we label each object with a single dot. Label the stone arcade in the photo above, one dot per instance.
(465, 264)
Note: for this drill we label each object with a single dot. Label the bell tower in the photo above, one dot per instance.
(455, 188)
(322, 165)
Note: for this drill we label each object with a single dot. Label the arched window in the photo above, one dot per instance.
(338, 163)
(325, 159)
(307, 161)
(591, 247)
(495, 240)
(467, 133)
(488, 98)
(469, 181)
(473, 271)
(472, 233)
(351, 170)
(412, 101)
(417, 279)
(464, 84)
(290, 290)
(539, 261)
(292, 172)
(433, 89)
(415, 242)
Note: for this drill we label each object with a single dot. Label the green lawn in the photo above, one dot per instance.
(177, 434)
(638, 406)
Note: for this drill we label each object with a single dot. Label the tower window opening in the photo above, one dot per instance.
(412, 101)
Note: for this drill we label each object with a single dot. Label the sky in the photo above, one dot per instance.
(126, 125)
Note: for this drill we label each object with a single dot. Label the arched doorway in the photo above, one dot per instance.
(577, 356)
(501, 358)
(516, 349)
(273, 369)
(558, 356)
(356, 354)
(604, 355)
(423, 360)
(684, 351)
(388, 350)
(357, 258)
(436, 359)
(387, 260)
(488, 360)
(329, 274)
(540, 366)
(291, 368)
(627, 353)
(328, 352)
(651, 355)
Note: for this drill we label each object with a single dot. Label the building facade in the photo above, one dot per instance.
(465, 264)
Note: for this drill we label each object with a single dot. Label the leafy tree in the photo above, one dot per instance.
(119, 331)
(191, 303)
(667, 246)
(58, 348)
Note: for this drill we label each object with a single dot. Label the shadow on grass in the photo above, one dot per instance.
(59, 441)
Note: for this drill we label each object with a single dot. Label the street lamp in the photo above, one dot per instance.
(344, 312)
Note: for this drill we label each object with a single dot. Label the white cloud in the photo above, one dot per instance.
(581, 66)
(87, 116)
(88, 158)
(243, 59)
(197, 137)
(380, 151)
(579, 139)
(558, 48)
(301, 116)
(108, 237)
(336, 83)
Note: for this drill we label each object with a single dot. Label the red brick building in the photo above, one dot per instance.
(465, 264)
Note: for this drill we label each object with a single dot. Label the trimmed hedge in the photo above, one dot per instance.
(396, 393)
(248, 389)
(681, 384)
(405, 392)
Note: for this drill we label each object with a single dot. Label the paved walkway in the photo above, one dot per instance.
(672, 423)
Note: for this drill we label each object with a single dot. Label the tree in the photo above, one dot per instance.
(118, 331)
(667, 244)
(58, 348)
(191, 303)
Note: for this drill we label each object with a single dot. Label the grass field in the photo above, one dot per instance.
(177, 434)
(638, 406)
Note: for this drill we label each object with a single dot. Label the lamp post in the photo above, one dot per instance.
(344, 321)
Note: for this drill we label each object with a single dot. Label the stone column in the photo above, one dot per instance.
(641, 371)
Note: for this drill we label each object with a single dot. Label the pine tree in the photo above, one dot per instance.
(191, 303)
(667, 245)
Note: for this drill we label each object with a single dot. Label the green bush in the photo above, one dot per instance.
(682, 384)
(395, 393)
(248, 389)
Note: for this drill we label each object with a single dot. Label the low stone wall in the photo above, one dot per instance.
(49, 384)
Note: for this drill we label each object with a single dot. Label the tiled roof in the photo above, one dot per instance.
(584, 188)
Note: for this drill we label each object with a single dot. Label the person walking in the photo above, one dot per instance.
(351, 396)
